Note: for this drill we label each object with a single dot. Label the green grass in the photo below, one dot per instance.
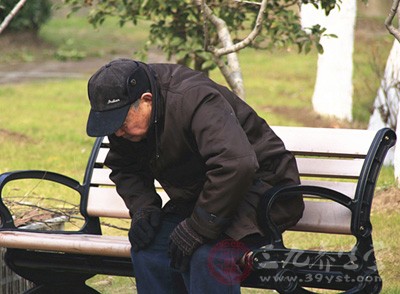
(42, 123)
(273, 87)
(73, 38)
(79, 37)
(43, 126)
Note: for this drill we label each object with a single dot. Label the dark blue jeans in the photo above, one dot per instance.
(213, 266)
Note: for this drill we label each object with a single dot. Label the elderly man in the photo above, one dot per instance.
(214, 157)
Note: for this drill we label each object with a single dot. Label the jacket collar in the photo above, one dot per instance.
(157, 117)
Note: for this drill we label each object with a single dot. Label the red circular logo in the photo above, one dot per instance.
(223, 262)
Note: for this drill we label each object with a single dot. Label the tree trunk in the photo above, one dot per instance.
(386, 105)
(387, 99)
(334, 88)
(232, 73)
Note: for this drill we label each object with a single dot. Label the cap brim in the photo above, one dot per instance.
(104, 123)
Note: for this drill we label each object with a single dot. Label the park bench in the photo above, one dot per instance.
(339, 170)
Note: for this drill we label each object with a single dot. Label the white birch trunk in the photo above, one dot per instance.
(387, 99)
(334, 87)
(386, 105)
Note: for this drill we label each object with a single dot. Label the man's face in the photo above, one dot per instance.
(137, 121)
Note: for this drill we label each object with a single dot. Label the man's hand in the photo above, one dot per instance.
(143, 227)
(183, 242)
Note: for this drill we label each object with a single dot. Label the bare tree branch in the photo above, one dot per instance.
(70, 213)
(66, 212)
(11, 15)
(389, 20)
(248, 2)
(223, 33)
(288, 4)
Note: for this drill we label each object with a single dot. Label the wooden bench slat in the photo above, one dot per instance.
(105, 202)
(117, 246)
(101, 157)
(307, 167)
(324, 217)
(347, 188)
(303, 141)
(355, 141)
(319, 216)
(325, 140)
(329, 167)
(101, 176)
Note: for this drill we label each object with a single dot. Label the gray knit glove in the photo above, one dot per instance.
(184, 240)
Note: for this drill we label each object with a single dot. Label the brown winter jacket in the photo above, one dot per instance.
(212, 154)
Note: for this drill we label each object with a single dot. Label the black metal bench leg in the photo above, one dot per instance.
(47, 280)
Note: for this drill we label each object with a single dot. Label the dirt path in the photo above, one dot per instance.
(21, 72)
(50, 69)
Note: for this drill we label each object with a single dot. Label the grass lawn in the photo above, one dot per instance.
(42, 122)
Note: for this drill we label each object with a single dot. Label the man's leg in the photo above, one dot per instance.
(214, 266)
(151, 265)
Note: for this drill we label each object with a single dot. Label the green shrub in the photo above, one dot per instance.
(30, 17)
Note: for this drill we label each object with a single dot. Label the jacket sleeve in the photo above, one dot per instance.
(131, 175)
(230, 160)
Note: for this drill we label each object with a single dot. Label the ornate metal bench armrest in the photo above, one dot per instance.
(270, 196)
(5, 215)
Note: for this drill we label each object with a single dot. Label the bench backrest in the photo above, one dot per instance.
(331, 158)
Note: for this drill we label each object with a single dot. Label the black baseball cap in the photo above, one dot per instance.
(112, 90)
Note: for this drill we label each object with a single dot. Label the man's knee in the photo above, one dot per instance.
(201, 255)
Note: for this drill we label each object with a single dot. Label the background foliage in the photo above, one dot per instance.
(178, 27)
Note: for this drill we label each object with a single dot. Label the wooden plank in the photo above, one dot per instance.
(105, 202)
(307, 167)
(304, 140)
(101, 176)
(118, 246)
(325, 140)
(347, 188)
(333, 168)
(318, 216)
(324, 217)
(101, 156)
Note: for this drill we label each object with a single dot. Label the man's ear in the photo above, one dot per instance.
(147, 97)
